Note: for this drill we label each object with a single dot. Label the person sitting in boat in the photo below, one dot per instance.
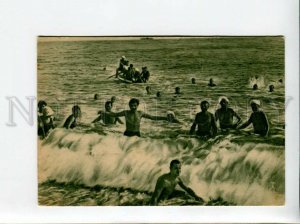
(145, 75)
(71, 121)
(105, 117)
(122, 65)
(130, 73)
(205, 121)
(137, 76)
(166, 184)
(133, 118)
(45, 119)
(258, 119)
(226, 114)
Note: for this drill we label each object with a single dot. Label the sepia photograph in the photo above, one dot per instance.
(161, 120)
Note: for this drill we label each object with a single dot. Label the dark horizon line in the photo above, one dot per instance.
(163, 36)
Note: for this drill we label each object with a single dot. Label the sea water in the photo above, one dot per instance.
(95, 164)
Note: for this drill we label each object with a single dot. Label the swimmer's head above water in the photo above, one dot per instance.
(204, 105)
(255, 105)
(175, 167)
(133, 104)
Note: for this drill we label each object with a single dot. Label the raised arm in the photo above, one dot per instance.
(118, 114)
(97, 119)
(189, 190)
(157, 192)
(151, 117)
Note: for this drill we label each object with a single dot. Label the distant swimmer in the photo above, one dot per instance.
(158, 94)
(113, 99)
(133, 118)
(104, 68)
(148, 90)
(71, 121)
(145, 75)
(96, 96)
(177, 91)
(206, 122)
(45, 119)
(211, 83)
(193, 81)
(165, 185)
(258, 119)
(271, 88)
(105, 117)
(255, 87)
(226, 114)
(280, 80)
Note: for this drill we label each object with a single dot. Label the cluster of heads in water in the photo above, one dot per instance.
(271, 86)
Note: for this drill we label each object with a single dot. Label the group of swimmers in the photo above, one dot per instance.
(204, 122)
(131, 73)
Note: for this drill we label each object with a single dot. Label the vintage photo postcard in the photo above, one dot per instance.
(161, 120)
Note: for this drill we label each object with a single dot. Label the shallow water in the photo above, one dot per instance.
(237, 167)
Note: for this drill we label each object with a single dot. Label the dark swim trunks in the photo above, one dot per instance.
(132, 133)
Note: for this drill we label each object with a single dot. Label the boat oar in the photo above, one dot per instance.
(111, 76)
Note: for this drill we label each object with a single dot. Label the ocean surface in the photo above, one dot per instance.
(95, 164)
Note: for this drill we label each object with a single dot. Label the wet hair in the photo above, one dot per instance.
(108, 102)
(193, 80)
(158, 94)
(174, 162)
(42, 103)
(271, 88)
(134, 100)
(204, 102)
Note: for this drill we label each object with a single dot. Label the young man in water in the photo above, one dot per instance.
(258, 118)
(211, 83)
(71, 121)
(226, 114)
(45, 119)
(105, 117)
(145, 75)
(133, 118)
(177, 90)
(206, 122)
(165, 185)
